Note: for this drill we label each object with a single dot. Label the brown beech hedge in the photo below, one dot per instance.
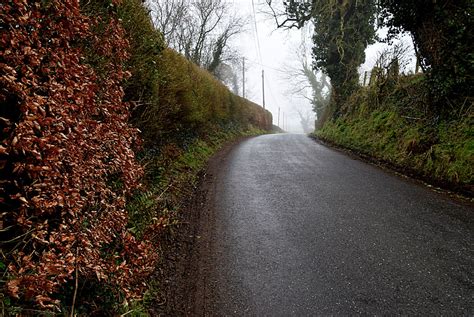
(67, 147)
(67, 160)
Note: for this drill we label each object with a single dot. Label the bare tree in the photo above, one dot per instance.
(200, 29)
(390, 62)
(227, 74)
(306, 120)
(168, 16)
(304, 78)
(290, 14)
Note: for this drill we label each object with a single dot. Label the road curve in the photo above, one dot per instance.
(303, 230)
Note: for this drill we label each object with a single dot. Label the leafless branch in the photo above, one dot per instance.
(200, 29)
(283, 19)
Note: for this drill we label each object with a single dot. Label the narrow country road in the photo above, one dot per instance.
(303, 230)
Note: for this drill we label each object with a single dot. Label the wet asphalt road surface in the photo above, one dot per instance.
(304, 230)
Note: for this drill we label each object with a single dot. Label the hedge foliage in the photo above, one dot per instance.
(192, 103)
(67, 152)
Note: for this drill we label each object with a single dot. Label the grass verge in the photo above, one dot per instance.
(172, 178)
(440, 153)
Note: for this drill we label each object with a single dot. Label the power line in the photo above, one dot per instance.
(259, 52)
(266, 66)
(256, 31)
(271, 93)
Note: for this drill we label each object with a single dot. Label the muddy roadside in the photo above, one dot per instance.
(185, 249)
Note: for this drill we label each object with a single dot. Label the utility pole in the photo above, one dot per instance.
(243, 77)
(283, 121)
(263, 87)
(278, 117)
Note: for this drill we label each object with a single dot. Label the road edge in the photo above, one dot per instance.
(191, 243)
(445, 188)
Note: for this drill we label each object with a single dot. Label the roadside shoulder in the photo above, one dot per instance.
(186, 249)
(455, 191)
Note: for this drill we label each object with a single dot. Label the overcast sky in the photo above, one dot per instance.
(277, 54)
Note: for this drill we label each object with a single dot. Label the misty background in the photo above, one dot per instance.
(238, 40)
(278, 53)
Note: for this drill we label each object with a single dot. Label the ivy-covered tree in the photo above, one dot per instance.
(442, 32)
(342, 31)
(320, 88)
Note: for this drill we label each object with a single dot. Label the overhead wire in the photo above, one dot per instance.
(259, 53)
(256, 32)
(265, 66)
(271, 94)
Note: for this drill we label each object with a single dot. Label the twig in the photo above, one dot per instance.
(125, 314)
(163, 192)
(17, 238)
(7, 228)
(410, 118)
(461, 110)
(75, 288)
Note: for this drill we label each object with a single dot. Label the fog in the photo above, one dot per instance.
(274, 50)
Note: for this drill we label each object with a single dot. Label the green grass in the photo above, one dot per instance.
(395, 123)
(168, 172)
(443, 152)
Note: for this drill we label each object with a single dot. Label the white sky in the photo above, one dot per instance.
(278, 52)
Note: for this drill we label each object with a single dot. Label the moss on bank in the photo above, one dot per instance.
(393, 127)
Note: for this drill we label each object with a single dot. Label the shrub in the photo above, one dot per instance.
(191, 103)
(70, 73)
(67, 154)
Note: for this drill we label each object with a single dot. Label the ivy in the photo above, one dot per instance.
(342, 31)
(442, 34)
